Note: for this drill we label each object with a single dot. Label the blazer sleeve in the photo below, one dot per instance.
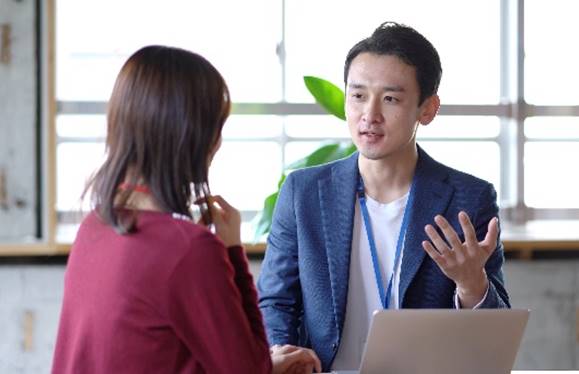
(212, 306)
(280, 297)
(497, 296)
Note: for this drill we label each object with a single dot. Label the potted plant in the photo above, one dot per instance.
(331, 98)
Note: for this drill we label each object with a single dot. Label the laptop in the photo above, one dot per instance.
(442, 341)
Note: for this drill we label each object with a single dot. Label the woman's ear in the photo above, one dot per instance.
(429, 109)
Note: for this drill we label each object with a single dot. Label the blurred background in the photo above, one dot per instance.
(510, 115)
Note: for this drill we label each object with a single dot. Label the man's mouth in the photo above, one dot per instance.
(371, 134)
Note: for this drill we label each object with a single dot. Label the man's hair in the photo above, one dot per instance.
(391, 38)
(164, 119)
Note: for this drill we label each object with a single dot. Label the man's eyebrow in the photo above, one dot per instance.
(356, 85)
(385, 88)
(393, 89)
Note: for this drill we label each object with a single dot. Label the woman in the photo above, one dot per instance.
(147, 289)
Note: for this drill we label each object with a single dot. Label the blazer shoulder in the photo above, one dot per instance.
(459, 178)
(313, 173)
(465, 178)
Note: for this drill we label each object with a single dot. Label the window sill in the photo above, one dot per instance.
(520, 239)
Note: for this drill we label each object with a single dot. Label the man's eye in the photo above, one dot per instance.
(390, 99)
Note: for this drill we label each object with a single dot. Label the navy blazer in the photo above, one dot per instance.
(303, 285)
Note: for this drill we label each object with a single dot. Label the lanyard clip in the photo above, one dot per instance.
(360, 189)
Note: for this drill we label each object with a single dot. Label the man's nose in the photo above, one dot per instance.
(373, 112)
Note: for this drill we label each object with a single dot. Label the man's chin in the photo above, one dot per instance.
(373, 154)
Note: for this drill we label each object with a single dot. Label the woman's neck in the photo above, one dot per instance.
(141, 201)
(140, 197)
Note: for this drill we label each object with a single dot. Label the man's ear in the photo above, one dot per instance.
(429, 109)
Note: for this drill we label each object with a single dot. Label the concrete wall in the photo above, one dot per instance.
(549, 289)
(18, 120)
(30, 297)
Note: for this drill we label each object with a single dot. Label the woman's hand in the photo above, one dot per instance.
(226, 219)
(289, 359)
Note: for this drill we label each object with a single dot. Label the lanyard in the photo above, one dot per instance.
(384, 296)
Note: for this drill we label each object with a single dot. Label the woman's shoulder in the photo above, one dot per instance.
(173, 232)
(174, 227)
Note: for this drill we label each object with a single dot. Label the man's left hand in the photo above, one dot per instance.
(463, 262)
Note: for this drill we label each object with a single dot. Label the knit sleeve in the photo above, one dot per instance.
(246, 286)
(213, 309)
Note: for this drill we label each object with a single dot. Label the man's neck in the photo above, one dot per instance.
(388, 178)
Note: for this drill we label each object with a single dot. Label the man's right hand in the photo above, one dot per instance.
(289, 359)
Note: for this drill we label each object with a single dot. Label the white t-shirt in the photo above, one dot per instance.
(363, 297)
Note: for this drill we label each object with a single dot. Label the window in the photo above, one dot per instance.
(264, 48)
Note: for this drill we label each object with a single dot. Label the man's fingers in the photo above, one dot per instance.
(438, 242)
(449, 233)
(490, 241)
(468, 230)
(433, 253)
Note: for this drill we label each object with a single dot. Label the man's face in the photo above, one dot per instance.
(382, 109)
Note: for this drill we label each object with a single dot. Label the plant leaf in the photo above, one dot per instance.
(281, 180)
(262, 221)
(319, 156)
(328, 95)
(331, 98)
(324, 154)
(351, 148)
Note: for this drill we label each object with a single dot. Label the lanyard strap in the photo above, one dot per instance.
(384, 296)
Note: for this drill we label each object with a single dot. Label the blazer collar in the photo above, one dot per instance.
(432, 196)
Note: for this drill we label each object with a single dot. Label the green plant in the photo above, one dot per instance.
(331, 98)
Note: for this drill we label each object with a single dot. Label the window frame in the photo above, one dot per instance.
(512, 111)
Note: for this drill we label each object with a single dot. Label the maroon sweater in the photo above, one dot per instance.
(169, 298)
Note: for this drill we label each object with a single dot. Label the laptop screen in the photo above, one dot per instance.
(411, 341)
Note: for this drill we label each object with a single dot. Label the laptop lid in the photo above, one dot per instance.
(443, 341)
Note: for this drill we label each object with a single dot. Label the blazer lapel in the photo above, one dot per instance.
(337, 198)
(432, 196)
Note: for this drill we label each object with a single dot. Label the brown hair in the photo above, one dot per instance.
(165, 117)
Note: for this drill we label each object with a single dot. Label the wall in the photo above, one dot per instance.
(18, 120)
(30, 297)
(549, 289)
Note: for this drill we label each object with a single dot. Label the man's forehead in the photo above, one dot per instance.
(383, 72)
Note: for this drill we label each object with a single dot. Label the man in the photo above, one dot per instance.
(388, 227)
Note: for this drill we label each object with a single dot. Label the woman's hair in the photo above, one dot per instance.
(165, 117)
